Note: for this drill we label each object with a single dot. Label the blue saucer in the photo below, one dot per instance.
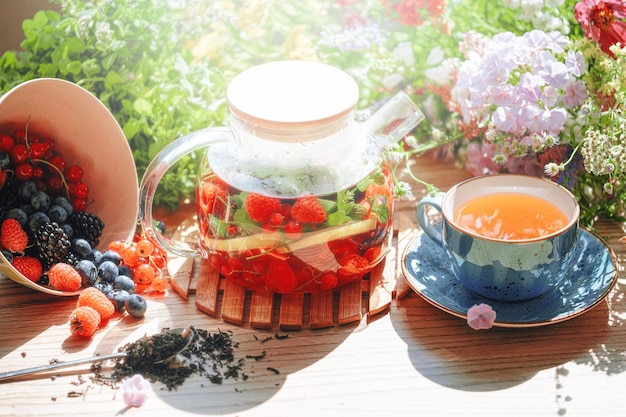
(591, 278)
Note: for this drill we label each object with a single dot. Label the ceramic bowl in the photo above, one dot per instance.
(87, 133)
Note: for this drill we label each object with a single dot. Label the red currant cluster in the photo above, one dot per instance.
(146, 261)
(33, 157)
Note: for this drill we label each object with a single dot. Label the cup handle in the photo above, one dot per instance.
(434, 201)
(161, 163)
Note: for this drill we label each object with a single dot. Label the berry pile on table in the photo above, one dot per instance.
(48, 234)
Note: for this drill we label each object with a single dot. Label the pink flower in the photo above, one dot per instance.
(136, 390)
(481, 316)
(600, 21)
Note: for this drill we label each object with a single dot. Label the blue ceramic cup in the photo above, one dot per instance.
(499, 269)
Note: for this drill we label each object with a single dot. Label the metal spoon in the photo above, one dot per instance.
(185, 332)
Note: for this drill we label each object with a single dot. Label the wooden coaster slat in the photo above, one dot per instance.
(207, 288)
(291, 311)
(261, 309)
(382, 283)
(350, 297)
(233, 303)
(321, 310)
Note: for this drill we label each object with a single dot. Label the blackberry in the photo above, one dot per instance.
(52, 243)
(9, 197)
(87, 226)
(71, 259)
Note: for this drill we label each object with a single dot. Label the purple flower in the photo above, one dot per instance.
(481, 316)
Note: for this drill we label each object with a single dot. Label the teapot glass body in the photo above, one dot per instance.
(289, 200)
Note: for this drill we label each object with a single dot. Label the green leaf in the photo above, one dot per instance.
(143, 106)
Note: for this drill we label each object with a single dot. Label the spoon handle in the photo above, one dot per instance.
(56, 365)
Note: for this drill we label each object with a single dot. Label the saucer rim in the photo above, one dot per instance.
(514, 324)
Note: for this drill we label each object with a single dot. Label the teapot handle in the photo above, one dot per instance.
(161, 163)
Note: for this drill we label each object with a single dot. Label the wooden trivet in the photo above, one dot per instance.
(223, 299)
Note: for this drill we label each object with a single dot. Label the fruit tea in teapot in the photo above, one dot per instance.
(295, 195)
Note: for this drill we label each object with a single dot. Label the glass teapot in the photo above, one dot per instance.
(294, 195)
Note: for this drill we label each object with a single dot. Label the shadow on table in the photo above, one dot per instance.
(447, 351)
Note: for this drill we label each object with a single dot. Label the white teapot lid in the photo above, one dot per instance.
(293, 100)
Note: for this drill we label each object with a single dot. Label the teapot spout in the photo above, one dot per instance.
(396, 118)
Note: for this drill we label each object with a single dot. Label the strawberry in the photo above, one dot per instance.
(84, 321)
(261, 208)
(29, 267)
(64, 277)
(308, 210)
(12, 236)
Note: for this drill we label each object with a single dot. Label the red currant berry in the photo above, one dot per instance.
(277, 219)
(158, 260)
(20, 136)
(145, 247)
(143, 274)
(6, 143)
(81, 190)
(159, 283)
(58, 162)
(48, 144)
(55, 183)
(79, 204)
(24, 171)
(19, 153)
(37, 172)
(293, 229)
(37, 150)
(74, 173)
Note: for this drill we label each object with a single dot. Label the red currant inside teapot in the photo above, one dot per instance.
(294, 195)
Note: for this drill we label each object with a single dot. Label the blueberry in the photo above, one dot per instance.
(5, 160)
(81, 248)
(96, 256)
(65, 203)
(36, 220)
(27, 190)
(107, 271)
(57, 214)
(103, 286)
(125, 270)
(118, 297)
(40, 201)
(136, 305)
(8, 255)
(110, 255)
(19, 215)
(125, 283)
(88, 272)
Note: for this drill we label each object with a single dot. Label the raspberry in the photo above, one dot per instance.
(308, 210)
(29, 267)
(84, 321)
(12, 236)
(280, 277)
(260, 208)
(64, 277)
(212, 198)
(97, 300)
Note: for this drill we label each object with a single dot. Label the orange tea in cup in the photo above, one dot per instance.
(510, 216)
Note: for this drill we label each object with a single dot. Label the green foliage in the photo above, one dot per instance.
(131, 55)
